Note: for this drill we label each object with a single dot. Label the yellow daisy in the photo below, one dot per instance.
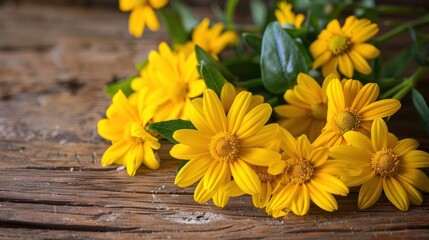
(225, 145)
(268, 184)
(211, 39)
(285, 15)
(142, 14)
(125, 126)
(352, 107)
(308, 175)
(345, 47)
(386, 164)
(221, 196)
(173, 80)
(306, 108)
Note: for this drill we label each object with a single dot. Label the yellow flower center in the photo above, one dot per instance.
(263, 174)
(339, 44)
(346, 120)
(385, 162)
(224, 146)
(301, 171)
(319, 111)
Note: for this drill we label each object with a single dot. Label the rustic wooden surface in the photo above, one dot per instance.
(54, 63)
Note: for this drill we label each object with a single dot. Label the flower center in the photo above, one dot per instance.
(385, 162)
(319, 111)
(263, 174)
(224, 147)
(346, 120)
(339, 44)
(301, 171)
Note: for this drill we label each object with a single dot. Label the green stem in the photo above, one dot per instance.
(411, 82)
(415, 23)
(393, 90)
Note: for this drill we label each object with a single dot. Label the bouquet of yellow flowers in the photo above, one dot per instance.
(289, 110)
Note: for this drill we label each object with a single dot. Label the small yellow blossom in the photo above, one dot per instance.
(386, 164)
(285, 15)
(142, 14)
(224, 145)
(352, 107)
(125, 126)
(345, 47)
(173, 80)
(211, 39)
(308, 175)
(306, 108)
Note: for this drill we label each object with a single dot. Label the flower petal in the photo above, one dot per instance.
(380, 109)
(259, 156)
(238, 110)
(266, 134)
(322, 199)
(329, 183)
(368, 94)
(216, 175)
(318, 156)
(192, 137)
(366, 50)
(254, 121)
(370, 192)
(192, 171)
(360, 141)
(415, 197)
(415, 159)
(115, 153)
(415, 177)
(214, 112)
(395, 193)
(302, 201)
(245, 177)
(405, 146)
(379, 133)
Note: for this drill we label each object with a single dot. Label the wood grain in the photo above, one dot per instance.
(54, 63)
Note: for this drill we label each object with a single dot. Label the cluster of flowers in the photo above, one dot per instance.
(321, 140)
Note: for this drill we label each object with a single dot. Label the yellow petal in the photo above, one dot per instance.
(290, 111)
(415, 177)
(202, 195)
(196, 88)
(150, 160)
(282, 198)
(215, 175)
(192, 172)
(133, 159)
(254, 120)
(379, 134)
(302, 201)
(322, 59)
(158, 3)
(192, 137)
(415, 159)
(395, 193)
(186, 152)
(115, 153)
(322, 199)
(197, 117)
(345, 65)
(214, 112)
(267, 133)
(318, 156)
(317, 48)
(151, 19)
(415, 197)
(110, 129)
(360, 141)
(380, 109)
(370, 192)
(259, 156)
(365, 33)
(136, 22)
(350, 153)
(335, 95)
(405, 146)
(330, 67)
(366, 50)
(227, 95)
(238, 110)
(359, 63)
(245, 177)
(368, 94)
(127, 5)
(329, 183)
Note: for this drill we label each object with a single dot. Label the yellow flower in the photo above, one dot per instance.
(268, 184)
(345, 47)
(221, 196)
(224, 145)
(212, 40)
(306, 108)
(142, 14)
(307, 175)
(173, 80)
(386, 164)
(285, 15)
(352, 107)
(125, 126)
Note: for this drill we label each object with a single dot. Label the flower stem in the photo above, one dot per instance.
(415, 23)
(410, 83)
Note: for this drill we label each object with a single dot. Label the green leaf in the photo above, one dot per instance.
(212, 77)
(125, 85)
(281, 60)
(396, 67)
(243, 66)
(253, 41)
(422, 109)
(188, 19)
(174, 26)
(207, 58)
(167, 128)
(231, 5)
(258, 10)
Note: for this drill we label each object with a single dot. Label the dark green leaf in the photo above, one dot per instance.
(281, 60)
(188, 19)
(207, 58)
(124, 85)
(167, 128)
(253, 85)
(253, 41)
(181, 165)
(212, 77)
(231, 5)
(396, 67)
(174, 26)
(245, 67)
(258, 9)
(422, 108)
